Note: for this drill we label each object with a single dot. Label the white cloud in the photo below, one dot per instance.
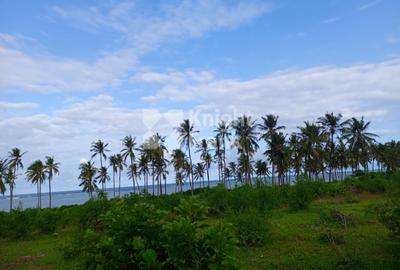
(370, 4)
(297, 95)
(186, 19)
(330, 20)
(5, 106)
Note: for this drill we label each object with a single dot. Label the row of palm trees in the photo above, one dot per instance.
(325, 149)
(37, 173)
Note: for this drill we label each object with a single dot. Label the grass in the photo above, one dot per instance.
(294, 241)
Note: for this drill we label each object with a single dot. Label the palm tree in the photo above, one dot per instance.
(143, 166)
(102, 177)
(3, 174)
(15, 163)
(129, 144)
(114, 166)
(269, 127)
(198, 173)
(37, 175)
(87, 176)
(185, 133)
(232, 169)
(261, 170)
(51, 169)
(278, 154)
(331, 125)
(120, 167)
(224, 134)
(246, 142)
(178, 160)
(359, 140)
(216, 142)
(99, 148)
(132, 174)
(312, 139)
(205, 155)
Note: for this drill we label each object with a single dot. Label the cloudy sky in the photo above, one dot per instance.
(74, 72)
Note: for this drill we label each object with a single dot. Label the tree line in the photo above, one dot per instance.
(325, 148)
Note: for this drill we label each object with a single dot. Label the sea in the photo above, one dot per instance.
(60, 198)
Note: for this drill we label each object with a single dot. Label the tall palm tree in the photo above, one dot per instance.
(114, 165)
(15, 163)
(312, 139)
(278, 154)
(103, 177)
(178, 160)
(246, 142)
(232, 168)
(331, 124)
(99, 148)
(143, 166)
(269, 127)
(51, 169)
(129, 147)
(37, 175)
(261, 170)
(133, 174)
(205, 156)
(3, 174)
(87, 177)
(199, 170)
(216, 142)
(120, 167)
(185, 132)
(223, 132)
(358, 138)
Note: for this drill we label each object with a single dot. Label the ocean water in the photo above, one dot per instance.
(61, 198)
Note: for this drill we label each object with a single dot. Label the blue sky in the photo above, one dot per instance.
(73, 71)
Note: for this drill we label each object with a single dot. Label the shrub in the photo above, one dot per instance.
(217, 199)
(251, 227)
(140, 236)
(389, 215)
(300, 195)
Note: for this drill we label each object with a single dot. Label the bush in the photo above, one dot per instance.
(140, 236)
(389, 215)
(300, 195)
(251, 227)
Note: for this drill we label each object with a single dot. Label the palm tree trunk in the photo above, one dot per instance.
(119, 184)
(208, 176)
(114, 182)
(11, 196)
(37, 194)
(191, 168)
(49, 192)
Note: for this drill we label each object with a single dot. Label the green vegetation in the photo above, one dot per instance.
(249, 227)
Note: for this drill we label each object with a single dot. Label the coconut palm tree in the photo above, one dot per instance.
(331, 124)
(216, 143)
(199, 171)
(88, 178)
(129, 147)
(205, 156)
(312, 139)
(3, 174)
(178, 160)
(269, 127)
(261, 170)
(133, 174)
(99, 148)
(246, 143)
(278, 154)
(295, 147)
(185, 133)
(51, 169)
(358, 138)
(143, 166)
(232, 168)
(36, 173)
(15, 163)
(114, 165)
(120, 167)
(103, 177)
(223, 132)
